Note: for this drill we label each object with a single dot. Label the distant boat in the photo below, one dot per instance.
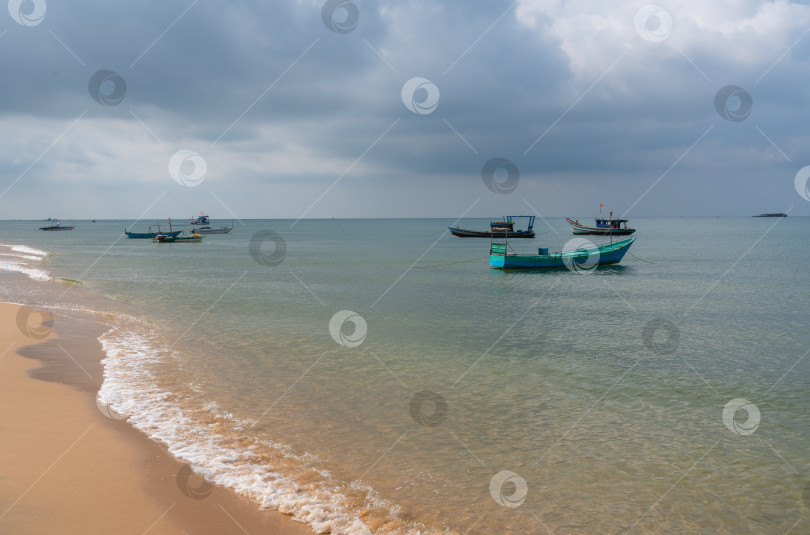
(165, 238)
(151, 234)
(200, 220)
(54, 225)
(771, 215)
(601, 255)
(499, 229)
(218, 230)
(604, 227)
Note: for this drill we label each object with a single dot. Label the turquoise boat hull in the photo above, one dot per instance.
(583, 259)
(150, 235)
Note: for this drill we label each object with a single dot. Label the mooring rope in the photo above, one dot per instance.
(637, 258)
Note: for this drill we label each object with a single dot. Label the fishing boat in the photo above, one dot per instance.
(164, 238)
(771, 215)
(604, 227)
(582, 258)
(54, 225)
(218, 230)
(502, 229)
(151, 234)
(200, 220)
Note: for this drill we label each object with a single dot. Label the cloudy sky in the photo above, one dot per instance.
(353, 108)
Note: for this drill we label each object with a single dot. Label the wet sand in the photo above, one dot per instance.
(70, 466)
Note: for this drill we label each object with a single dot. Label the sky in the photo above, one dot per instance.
(353, 108)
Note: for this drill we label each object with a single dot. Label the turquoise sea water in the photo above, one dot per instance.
(457, 397)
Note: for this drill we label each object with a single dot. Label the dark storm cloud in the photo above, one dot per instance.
(269, 94)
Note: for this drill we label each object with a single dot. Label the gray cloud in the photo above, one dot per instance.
(293, 106)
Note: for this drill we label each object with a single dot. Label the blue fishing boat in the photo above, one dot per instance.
(583, 256)
(150, 234)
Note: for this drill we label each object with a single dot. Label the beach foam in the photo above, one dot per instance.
(222, 448)
(19, 258)
(29, 250)
(32, 273)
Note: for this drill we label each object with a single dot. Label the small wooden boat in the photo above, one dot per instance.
(580, 259)
(218, 230)
(151, 234)
(604, 227)
(498, 229)
(164, 238)
(54, 225)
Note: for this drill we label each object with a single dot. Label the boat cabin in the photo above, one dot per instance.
(507, 223)
(611, 223)
(502, 225)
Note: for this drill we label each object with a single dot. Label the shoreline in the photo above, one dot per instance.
(74, 469)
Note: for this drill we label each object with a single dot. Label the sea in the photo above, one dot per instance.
(377, 376)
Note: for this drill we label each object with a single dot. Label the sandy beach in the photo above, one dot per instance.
(70, 468)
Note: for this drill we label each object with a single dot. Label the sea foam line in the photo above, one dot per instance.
(16, 257)
(29, 250)
(33, 273)
(254, 467)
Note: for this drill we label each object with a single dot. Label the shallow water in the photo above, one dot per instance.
(469, 381)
